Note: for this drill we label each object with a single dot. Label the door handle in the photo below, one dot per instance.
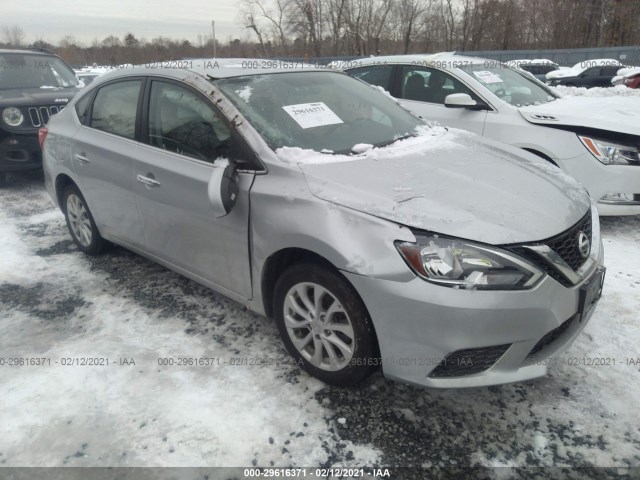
(148, 181)
(82, 158)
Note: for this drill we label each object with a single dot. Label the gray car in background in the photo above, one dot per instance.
(370, 237)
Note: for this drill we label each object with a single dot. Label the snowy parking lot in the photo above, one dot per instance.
(116, 361)
(61, 306)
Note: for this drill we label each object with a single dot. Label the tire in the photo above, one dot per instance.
(3, 179)
(338, 346)
(80, 222)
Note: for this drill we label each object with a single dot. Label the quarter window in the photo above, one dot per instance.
(114, 109)
(183, 122)
(82, 108)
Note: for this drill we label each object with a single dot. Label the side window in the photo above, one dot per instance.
(82, 108)
(183, 122)
(114, 108)
(592, 72)
(379, 75)
(610, 70)
(430, 85)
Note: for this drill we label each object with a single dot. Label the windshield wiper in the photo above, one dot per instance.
(394, 140)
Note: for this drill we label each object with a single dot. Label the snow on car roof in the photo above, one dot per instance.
(420, 59)
(628, 72)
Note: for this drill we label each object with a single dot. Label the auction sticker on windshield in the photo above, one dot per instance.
(309, 115)
(487, 77)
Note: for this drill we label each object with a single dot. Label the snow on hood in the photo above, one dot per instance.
(453, 183)
(614, 91)
(616, 114)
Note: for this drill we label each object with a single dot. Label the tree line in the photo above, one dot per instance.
(324, 28)
(369, 27)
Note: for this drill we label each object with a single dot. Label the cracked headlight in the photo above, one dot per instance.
(611, 153)
(459, 263)
(12, 116)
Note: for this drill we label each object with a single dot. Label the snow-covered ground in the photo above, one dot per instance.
(62, 306)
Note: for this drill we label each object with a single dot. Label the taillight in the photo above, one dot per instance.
(42, 134)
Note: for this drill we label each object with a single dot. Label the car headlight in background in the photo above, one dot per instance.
(611, 153)
(461, 264)
(12, 116)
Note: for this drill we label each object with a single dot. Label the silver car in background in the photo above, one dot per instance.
(370, 237)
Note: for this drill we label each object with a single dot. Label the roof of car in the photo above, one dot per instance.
(28, 51)
(532, 61)
(214, 68)
(422, 59)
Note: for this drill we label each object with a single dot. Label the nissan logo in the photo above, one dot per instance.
(584, 245)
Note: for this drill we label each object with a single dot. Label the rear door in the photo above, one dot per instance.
(102, 156)
(184, 134)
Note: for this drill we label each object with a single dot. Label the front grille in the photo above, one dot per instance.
(552, 336)
(565, 245)
(39, 116)
(468, 362)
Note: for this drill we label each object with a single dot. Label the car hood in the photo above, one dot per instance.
(454, 183)
(616, 114)
(37, 96)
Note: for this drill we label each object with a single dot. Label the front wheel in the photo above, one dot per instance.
(324, 325)
(80, 222)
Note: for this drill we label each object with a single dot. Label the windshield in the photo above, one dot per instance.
(21, 71)
(323, 111)
(512, 86)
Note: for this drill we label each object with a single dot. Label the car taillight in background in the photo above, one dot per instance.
(632, 82)
(42, 134)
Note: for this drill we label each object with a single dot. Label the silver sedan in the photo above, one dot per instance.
(373, 239)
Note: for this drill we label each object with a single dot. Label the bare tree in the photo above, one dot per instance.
(13, 35)
(251, 19)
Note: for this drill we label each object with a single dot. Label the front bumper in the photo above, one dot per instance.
(418, 324)
(601, 180)
(19, 153)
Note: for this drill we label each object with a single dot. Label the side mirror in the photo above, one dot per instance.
(463, 100)
(222, 189)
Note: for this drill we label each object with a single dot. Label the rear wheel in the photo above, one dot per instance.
(324, 325)
(80, 222)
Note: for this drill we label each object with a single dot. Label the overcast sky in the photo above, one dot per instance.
(86, 20)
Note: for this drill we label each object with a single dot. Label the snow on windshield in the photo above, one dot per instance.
(425, 136)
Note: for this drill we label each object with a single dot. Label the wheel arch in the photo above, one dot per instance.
(541, 155)
(63, 181)
(278, 262)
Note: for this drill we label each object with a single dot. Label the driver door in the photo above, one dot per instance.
(184, 135)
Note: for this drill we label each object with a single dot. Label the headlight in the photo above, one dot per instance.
(611, 153)
(12, 116)
(461, 264)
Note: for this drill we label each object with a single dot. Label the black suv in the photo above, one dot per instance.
(598, 76)
(34, 84)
